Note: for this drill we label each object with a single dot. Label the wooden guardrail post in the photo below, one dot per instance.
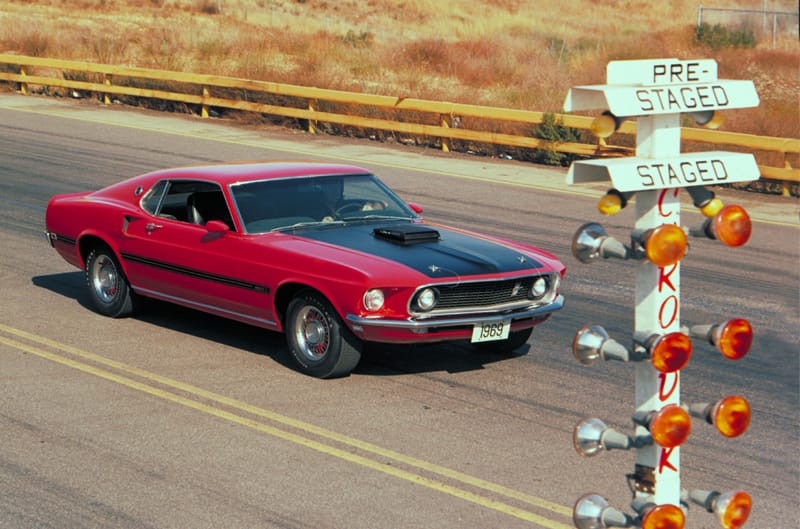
(203, 106)
(23, 86)
(786, 188)
(445, 122)
(312, 124)
(107, 82)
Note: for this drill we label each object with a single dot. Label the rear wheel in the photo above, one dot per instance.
(515, 340)
(318, 340)
(109, 290)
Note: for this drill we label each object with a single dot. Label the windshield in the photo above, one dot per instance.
(269, 205)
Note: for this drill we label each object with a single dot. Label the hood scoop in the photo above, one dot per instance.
(406, 234)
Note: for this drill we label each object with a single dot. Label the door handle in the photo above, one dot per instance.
(151, 227)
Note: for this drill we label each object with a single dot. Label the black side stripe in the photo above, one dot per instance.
(63, 239)
(191, 272)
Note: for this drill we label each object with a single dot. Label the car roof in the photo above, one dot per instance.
(231, 173)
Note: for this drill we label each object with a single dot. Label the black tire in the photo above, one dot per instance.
(320, 343)
(109, 290)
(515, 340)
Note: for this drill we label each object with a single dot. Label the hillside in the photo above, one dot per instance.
(510, 53)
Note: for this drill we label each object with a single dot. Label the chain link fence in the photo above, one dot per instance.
(781, 28)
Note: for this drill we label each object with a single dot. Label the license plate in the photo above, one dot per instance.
(487, 332)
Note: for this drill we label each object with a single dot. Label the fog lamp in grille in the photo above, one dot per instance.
(426, 299)
(539, 287)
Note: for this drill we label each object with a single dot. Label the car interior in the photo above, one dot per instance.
(193, 202)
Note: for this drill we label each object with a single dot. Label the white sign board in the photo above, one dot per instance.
(661, 72)
(635, 100)
(686, 170)
(662, 86)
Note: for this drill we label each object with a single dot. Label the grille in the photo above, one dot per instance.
(485, 295)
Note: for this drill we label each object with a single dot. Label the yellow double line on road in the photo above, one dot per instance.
(281, 433)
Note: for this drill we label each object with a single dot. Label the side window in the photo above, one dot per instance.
(195, 202)
(152, 199)
(187, 201)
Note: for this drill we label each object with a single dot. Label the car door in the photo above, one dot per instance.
(175, 253)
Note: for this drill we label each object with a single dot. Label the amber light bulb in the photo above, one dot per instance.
(610, 204)
(731, 416)
(734, 338)
(664, 517)
(670, 426)
(671, 352)
(733, 509)
(665, 245)
(732, 225)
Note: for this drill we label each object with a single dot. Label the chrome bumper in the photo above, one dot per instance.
(422, 326)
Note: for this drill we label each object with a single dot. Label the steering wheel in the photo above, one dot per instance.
(349, 206)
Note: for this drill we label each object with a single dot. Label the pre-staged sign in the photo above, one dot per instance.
(664, 86)
(641, 174)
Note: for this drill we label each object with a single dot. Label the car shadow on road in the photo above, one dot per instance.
(450, 357)
(377, 359)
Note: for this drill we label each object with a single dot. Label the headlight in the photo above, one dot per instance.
(426, 299)
(373, 299)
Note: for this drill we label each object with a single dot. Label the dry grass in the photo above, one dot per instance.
(510, 53)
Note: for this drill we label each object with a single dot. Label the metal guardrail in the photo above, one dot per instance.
(445, 120)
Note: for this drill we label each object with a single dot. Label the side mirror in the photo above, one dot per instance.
(416, 208)
(216, 226)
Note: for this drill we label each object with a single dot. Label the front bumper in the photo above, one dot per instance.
(436, 330)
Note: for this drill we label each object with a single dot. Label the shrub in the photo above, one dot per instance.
(718, 37)
(209, 7)
(552, 129)
(363, 39)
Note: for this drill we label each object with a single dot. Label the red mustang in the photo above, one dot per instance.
(325, 253)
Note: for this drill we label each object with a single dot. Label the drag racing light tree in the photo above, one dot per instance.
(656, 93)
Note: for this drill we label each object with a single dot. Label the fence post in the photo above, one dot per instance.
(786, 188)
(203, 106)
(312, 124)
(774, 31)
(445, 124)
(23, 86)
(107, 82)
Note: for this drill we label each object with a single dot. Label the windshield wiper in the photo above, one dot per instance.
(309, 224)
(376, 217)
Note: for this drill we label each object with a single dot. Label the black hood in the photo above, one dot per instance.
(435, 252)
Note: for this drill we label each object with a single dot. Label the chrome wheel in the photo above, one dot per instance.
(312, 333)
(109, 290)
(320, 343)
(105, 278)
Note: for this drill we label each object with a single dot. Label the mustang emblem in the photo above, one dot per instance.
(516, 290)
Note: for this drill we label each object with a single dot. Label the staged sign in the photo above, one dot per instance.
(648, 100)
(640, 174)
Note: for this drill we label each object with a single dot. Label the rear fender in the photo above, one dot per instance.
(91, 239)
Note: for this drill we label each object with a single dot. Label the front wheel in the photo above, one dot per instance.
(515, 340)
(109, 290)
(320, 343)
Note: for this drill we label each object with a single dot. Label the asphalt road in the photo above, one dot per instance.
(175, 419)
